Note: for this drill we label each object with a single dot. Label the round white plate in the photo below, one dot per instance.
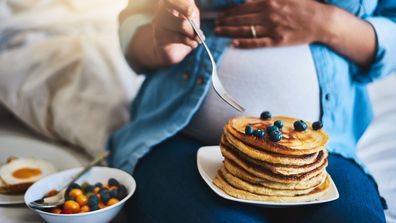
(23, 147)
(210, 160)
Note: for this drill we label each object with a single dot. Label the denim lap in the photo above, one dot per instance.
(170, 189)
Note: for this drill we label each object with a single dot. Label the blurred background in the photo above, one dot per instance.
(65, 82)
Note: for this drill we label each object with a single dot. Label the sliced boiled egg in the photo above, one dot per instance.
(25, 170)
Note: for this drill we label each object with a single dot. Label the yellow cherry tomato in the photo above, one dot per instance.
(84, 208)
(75, 192)
(112, 201)
(101, 205)
(82, 199)
(71, 206)
(56, 210)
(96, 189)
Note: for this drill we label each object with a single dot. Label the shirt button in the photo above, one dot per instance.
(186, 76)
(200, 80)
(327, 97)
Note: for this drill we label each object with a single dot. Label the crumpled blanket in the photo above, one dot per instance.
(62, 71)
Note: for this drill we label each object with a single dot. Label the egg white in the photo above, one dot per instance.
(6, 171)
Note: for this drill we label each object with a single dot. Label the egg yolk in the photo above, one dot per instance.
(26, 172)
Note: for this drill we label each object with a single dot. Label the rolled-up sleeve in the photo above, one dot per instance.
(384, 24)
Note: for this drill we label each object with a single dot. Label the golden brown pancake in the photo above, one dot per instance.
(293, 142)
(270, 156)
(283, 169)
(259, 189)
(301, 185)
(260, 172)
(318, 192)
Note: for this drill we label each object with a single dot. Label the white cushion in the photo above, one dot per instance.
(377, 148)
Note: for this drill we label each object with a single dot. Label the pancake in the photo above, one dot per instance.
(259, 189)
(290, 170)
(270, 156)
(293, 142)
(315, 194)
(301, 185)
(261, 172)
(283, 169)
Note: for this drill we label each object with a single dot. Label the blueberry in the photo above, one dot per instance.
(103, 190)
(122, 192)
(265, 115)
(272, 128)
(259, 133)
(93, 200)
(249, 130)
(278, 123)
(317, 125)
(122, 188)
(69, 198)
(275, 136)
(300, 125)
(98, 185)
(84, 185)
(105, 195)
(89, 189)
(113, 182)
(114, 193)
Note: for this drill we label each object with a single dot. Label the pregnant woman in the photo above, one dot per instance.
(299, 58)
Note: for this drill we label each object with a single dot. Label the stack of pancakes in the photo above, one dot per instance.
(291, 170)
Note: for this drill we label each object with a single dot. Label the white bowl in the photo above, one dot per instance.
(96, 174)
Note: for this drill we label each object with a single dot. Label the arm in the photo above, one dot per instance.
(384, 61)
(348, 35)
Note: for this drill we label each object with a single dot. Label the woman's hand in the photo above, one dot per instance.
(288, 22)
(168, 39)
(277, 23)
(174, 38)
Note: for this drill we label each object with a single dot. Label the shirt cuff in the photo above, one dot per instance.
(129, 27)
(385, 56)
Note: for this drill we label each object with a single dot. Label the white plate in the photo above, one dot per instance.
(210, 160)
(23, 147)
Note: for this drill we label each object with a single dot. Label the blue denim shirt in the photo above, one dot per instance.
(168, 100)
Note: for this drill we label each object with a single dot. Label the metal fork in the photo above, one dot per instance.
(218, 87)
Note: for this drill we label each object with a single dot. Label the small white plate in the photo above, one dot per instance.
(23, 147)
(210, 160)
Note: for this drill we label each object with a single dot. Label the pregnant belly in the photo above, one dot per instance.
(280, 80)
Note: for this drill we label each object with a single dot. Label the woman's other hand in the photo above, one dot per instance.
(289, 22)
(277, 23)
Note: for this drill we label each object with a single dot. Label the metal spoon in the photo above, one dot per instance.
(59, 198)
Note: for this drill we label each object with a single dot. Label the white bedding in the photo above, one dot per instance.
(377, 148)
(62, 71)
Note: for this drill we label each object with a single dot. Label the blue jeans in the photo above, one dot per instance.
(170, 189)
